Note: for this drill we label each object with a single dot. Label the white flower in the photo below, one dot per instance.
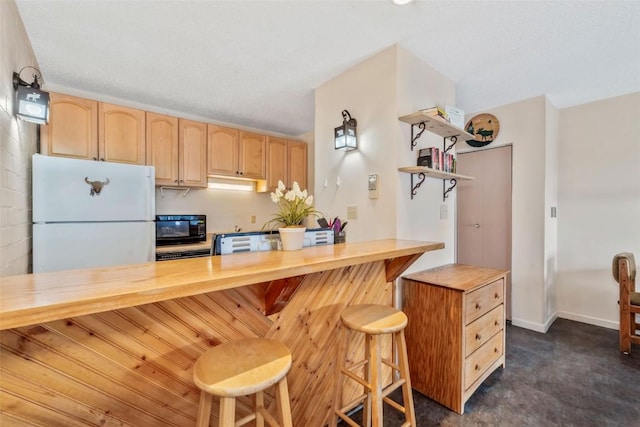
(296, 187)
(309, 201)
(281, 186)
(290, 196)
(275, 198)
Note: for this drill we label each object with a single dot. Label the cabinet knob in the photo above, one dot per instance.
(102, 160)
(477, 306)
(476, 225)
(176, 181)
(478, 337)
(240, 173)
(497, 296)
(497, 323)
(477, 367)
(95, 159)
(496, 350)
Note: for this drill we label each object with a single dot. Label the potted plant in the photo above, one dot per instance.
(294, 206)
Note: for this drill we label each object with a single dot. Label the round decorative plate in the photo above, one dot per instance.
(484, 127)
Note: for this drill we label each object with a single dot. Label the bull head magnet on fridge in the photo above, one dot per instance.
(96, 186)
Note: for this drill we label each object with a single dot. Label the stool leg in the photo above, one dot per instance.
(284, 406)
(204, 410)
(227, 412)
(341, 356)
(366, 374)
(259, 402)
(376, 379)
(403, 363)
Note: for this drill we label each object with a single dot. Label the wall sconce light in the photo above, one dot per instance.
(32, 104)
(345, 136)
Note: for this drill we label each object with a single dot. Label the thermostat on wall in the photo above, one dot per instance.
(373, 186)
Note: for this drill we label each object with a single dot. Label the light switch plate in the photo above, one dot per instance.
(444, 212)
(352, 212)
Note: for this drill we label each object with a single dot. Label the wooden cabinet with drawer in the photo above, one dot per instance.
(456, 330)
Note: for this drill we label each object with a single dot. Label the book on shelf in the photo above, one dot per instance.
(436, 112)
(434, 158)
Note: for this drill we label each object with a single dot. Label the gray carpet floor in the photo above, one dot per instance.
(574, 375)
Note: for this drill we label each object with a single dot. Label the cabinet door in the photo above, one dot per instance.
(121, 134)
(192, 152)
(73, 128)
(162, 147)
(253, 155)
(276, 163)
(297, 163)
(223, 151)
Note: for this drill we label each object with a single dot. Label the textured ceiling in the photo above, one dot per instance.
(257, 63)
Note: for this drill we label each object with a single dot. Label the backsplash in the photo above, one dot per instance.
(225, 209)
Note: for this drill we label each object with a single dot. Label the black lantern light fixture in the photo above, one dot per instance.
(32, 104)
(345, 137)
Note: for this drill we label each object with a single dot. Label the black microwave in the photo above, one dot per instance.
(180, 229)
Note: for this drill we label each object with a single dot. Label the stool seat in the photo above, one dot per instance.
(374, 319)
(242, 367)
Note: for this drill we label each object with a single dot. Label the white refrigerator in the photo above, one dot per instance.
(91, 214)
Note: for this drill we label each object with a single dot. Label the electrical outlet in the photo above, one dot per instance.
(352, 212)
(253, 219)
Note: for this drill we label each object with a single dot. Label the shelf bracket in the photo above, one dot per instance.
(454, 139)
(164, 187)
(414, 136)
(414, 188)
(445, 190)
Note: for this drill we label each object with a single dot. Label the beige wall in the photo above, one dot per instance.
(523, 124)
(599, 204)
(368, 92)
(17, 144)
(377, 92)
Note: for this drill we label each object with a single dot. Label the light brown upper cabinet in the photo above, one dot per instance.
(177, 149)
(297, 163)
(224, 148)
(162, 147)
(237, 154)
(286, 162)
(73, 128)
(192, 153)
(121, 134)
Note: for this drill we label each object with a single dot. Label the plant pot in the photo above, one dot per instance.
(292, 238)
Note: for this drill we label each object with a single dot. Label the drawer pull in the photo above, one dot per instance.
(495, 350)
(496, 296)
(478, 337)
(496, 323)
(477, 306)
(477, 367)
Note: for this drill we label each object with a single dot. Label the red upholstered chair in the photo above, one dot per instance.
(624, 272)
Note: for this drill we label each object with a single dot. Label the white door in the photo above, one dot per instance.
(67, 190)
(67, 246)
(484, 211)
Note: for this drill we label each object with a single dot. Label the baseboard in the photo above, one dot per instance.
(538, 327)
(589, 320)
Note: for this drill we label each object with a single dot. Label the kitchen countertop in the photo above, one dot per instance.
(35, 298)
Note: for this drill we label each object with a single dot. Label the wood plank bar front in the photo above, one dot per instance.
(116, 346)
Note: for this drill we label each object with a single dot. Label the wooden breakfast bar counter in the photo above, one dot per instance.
(116, 346)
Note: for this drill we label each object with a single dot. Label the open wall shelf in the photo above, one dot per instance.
(422, 172)
(434, 124)
(441, 127)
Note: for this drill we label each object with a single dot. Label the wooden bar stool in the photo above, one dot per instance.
(239, 368)
(374, 320)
